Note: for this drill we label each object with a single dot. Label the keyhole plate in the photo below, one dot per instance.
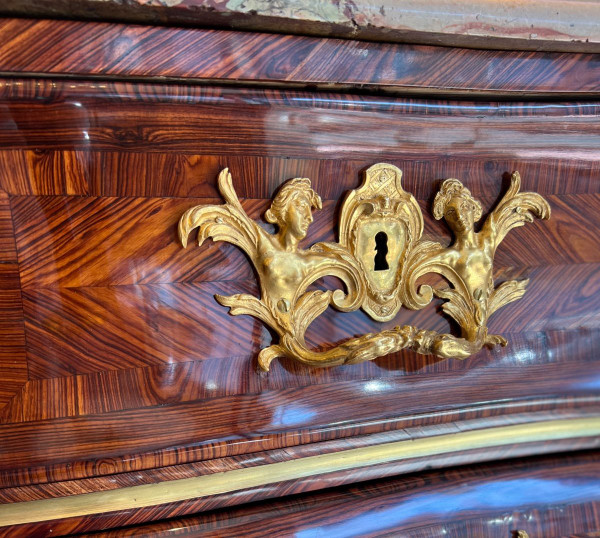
(383, 279)
(381, 206)
(380, 262)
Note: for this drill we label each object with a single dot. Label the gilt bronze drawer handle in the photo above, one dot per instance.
(379, 257)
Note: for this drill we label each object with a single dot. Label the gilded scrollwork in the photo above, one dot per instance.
(285, 271)
(379, 258)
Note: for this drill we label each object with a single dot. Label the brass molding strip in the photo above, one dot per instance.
(239, 479)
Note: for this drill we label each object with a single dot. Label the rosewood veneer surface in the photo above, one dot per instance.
(72, 48)
(116, 362)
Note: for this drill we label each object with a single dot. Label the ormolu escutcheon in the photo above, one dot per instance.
(379, 257)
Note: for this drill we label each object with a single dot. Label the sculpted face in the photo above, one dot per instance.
(298, 216)
(460, 214)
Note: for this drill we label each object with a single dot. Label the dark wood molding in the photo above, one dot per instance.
(106, 51)
(569, 25)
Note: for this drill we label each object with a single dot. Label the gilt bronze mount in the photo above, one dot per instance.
(380, 257)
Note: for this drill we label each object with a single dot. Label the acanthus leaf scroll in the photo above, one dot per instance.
(378, 220)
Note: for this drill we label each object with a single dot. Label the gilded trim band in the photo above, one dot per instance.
(240, 479)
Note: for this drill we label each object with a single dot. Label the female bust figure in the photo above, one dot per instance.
(283, 266)
(469, 261)
(291, 211)
(472, 254)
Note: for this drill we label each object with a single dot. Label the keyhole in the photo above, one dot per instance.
(381, 250)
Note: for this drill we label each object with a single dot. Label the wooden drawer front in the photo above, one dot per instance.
(115, 356)
(119, 319)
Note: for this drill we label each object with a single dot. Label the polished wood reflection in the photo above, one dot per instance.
(119, 319)
(295, 124)
(116, 363)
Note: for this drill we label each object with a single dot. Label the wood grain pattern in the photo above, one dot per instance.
(114, 50)
(135, 244)
(137, 241)
(231, 121)
(245, 422)
(187, 324)
(117, 388)
(137, 174)
(13, 365)
(548, 496)
(9, 271)
(149, 325)
(42, 172)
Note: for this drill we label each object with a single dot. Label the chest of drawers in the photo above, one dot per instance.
(121, 376)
